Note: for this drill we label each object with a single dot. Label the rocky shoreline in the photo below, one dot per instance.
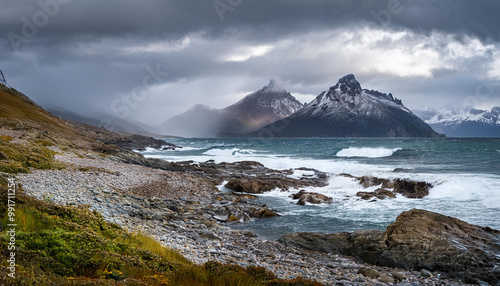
(185, 211)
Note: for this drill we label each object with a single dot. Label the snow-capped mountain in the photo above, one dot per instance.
(265, 106)
(463, 122)
(347, 110)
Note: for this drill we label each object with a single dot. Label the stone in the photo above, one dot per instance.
(266, 213)
(398, 276)
(425, 273)
(408, 188)
(412, 189)
(369, 272)
(311, 197)
(418, 239)
(250, 186)
(386, 279)
(380, 194)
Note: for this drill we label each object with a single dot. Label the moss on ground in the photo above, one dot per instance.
(19, 158)
(58, 245)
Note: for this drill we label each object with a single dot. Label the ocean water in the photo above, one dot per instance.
(465, 174)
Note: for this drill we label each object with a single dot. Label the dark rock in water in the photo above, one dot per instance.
(266, 213)
(370, 181)
(412, 189)
(408, 188)
(418, 240)
(330, 243)
(311, 197)
(380, 194)
(251, 186)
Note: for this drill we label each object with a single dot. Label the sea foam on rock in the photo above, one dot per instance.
(419, 239)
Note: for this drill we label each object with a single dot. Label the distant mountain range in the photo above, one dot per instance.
(347, 110)
(344, 110)
(265, 106)
(464, 122)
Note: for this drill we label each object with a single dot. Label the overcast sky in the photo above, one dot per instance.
(150, 60)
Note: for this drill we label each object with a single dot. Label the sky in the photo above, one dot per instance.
(146, 61)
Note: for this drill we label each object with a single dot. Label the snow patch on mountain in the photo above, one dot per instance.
(461, 115)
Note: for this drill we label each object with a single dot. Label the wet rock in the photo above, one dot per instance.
(267, 213)
(370, 181)
(380, 194)
(251, 186)
(418, 239)
(311, 197)
(408, 188)
(330, 243)
(412, 189)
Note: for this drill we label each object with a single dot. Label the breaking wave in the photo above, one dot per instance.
(368, 152)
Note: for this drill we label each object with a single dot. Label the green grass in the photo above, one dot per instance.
(58, 245)
(19, 158)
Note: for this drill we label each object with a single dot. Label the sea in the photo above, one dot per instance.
(464, 172)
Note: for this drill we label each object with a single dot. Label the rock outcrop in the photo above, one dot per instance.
(311, 197)
(379, 193)
(408, 188)
(418, 240)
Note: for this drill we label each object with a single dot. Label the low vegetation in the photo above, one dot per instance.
(75, 246)
(19, 158)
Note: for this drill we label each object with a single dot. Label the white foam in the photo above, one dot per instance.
(226, 152)
(368, 152)
(186, 149)
(297, 174)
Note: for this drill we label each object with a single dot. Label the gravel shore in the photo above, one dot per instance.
(189, 215)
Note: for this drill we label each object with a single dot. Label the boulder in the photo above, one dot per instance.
(418, 240)
(311, 197)
(380, 194)
(408, 188)
(369, 272)
(251, 186)
(411, 189)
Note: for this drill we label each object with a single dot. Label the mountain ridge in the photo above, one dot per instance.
(463, 122)
(264, 106)
(347, 110)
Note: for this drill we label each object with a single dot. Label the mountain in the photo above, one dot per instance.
(265, 106)
(115, 124)
(23, 119)
(463, 122)
(347, 110)
(198, 121)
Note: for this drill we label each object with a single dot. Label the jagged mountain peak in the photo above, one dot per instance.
(348, 84)
(348, 110)
(273, 86)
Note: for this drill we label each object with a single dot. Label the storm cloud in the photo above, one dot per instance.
(146, 61)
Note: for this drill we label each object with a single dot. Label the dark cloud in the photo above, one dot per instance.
(86, 56)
